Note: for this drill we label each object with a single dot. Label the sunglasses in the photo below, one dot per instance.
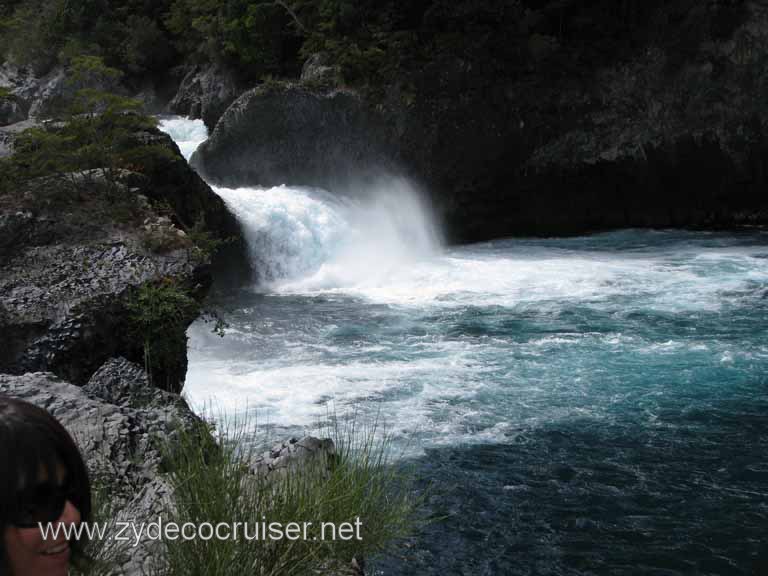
(42, 503)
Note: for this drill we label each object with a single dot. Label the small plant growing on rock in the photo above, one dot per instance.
(206, 243)
(159, 315)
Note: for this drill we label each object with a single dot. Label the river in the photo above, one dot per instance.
(589, 405)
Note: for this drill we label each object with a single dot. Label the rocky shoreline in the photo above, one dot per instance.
(119, 422)
(73, 259)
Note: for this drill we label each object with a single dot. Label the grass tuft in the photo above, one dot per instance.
(213, 483)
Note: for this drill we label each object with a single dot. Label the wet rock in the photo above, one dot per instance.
(72, 254)
(288, 133)
(292, 453)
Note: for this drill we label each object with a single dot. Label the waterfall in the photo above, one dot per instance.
(305, 238)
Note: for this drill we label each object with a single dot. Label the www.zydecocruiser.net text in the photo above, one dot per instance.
(156, 530)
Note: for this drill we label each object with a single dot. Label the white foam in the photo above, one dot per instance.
(383, 248)
(304, 240)
(524, 278)
(188, 134)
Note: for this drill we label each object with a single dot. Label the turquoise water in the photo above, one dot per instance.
(614, 420)
(594, 405)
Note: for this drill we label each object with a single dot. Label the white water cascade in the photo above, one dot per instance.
(358, 303)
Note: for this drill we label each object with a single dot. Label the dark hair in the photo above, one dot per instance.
(31, 441)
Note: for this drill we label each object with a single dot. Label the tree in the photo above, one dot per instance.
(94, 138)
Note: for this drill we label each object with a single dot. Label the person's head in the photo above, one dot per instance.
(42, 479)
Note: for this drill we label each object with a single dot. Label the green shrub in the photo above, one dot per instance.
(159, 315)
(43, 32)
(97, 135)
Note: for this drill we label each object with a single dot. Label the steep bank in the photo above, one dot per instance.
(586, 131)
(76, 249)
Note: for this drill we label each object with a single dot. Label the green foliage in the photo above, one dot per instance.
(89, 70)
(371, 40)
(212, 483)
(205, 241)
(129, 35)
(257, 38)
(32, 32)
(159, 315)
(95, 139)
(147, 48)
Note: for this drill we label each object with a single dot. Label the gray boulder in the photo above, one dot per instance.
(119, 432)
(282, 133)
(309, 451)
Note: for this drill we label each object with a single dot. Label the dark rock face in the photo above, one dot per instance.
(205, 92)
(195, 204)
(118, 420)
(670, 134)
(63, 294)
(276, 134)
(666, 130)
(11, 110)
(71, 258)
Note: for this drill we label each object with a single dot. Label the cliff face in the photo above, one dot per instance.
(669, 131)
(76, 248)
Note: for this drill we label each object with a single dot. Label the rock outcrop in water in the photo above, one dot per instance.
(288, 133)
(670, 132)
